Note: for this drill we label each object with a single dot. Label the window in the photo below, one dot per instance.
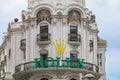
(91, 45)
(73, 55)
(43, 15)
(44, 79)
(73, 36)
(44, 33)
(73, 29)
(44, 55)
(99, 59)
(9, 54)
(23, 42)
(44, 29)
(74, 13)
(75, 16)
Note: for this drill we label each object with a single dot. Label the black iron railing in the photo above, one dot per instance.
(30, 65)
(74, 37)
(43, 37)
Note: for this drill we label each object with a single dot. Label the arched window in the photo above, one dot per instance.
(44, 79)
(43, 15)
(74, 13)
(44, 33)
(74, 36)
(74, 16)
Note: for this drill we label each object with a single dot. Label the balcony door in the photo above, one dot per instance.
(73, 55)
(44, 32)
(73, 33)
(43, 55)
(73, 30)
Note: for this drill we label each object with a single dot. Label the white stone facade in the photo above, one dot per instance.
(42, 23)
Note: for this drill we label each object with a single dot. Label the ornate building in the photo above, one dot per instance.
(56, 40)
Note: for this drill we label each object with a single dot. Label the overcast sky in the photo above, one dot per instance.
(108, 20)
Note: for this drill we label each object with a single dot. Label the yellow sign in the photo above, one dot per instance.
(60, 46)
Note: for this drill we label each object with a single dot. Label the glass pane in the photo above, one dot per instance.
(44, 29)
(73, 55)
(73, 29)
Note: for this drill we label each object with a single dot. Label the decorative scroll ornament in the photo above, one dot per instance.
(60, 46)
(43, 15)
(74, 16)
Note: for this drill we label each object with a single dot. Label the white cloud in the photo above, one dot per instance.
(8, 11)
(112, 64)
(113, 3)
(9, 6)
(108, 16)
(113, 60)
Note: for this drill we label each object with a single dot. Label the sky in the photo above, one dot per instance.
(108, 21)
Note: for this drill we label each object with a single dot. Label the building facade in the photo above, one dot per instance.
(56, 40)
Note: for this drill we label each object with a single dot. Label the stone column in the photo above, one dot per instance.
(28, 41)
(33, 40)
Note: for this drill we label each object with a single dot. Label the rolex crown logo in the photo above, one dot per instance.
(60, 46)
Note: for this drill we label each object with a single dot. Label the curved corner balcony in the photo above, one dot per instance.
(43, 39)
(74, 39)
(29, 68)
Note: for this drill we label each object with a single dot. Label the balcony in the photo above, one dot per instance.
(74, 39)
(23, 44)
(30, 66)
(43, 39)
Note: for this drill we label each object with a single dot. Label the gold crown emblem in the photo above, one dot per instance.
(60, 46)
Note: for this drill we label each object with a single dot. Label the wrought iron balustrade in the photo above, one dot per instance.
(30, 65)
(43, 37)
(74, 37)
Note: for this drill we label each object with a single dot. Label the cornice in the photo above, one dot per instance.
(102, 43)
(94, 31)
(59, 16)
(30, 19)
(16, 30)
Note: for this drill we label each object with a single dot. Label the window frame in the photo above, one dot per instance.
(74, 52)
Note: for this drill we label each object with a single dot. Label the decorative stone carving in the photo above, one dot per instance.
(74, 16)
(92, 18)
(33, 23)
(43, 15)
